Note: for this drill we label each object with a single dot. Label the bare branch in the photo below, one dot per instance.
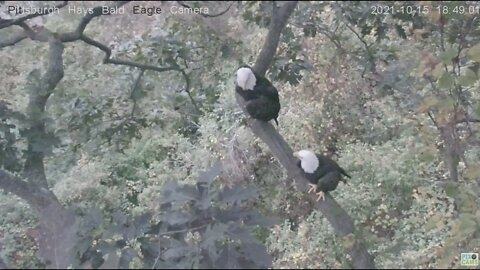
(97, 11)
(208, 15)
(371, 58)
(7, 23)
(341, 222)
(43, 35)
(108, 60)
(433, 120)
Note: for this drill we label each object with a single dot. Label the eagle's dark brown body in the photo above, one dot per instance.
(326, 175)
(263, 102)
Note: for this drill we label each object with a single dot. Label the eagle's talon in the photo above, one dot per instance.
(313, 188)
(321, 195)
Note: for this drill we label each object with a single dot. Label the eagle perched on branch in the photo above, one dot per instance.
(322, 172)
(260, 95)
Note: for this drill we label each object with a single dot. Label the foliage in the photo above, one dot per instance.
(392, 97)
(199, 227)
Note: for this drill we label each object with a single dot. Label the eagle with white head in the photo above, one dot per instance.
(322, 172)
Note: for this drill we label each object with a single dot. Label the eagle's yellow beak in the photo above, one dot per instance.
(295, 154)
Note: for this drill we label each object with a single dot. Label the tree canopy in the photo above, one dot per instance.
(124, 145)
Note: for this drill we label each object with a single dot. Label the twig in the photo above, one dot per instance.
(158, 256)
(134, 88)
(108, 60)
(187, 89)
(371, 59)
(433, 119)
(184, 230)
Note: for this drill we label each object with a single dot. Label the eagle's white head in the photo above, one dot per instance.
(245, 78)
(308, 160)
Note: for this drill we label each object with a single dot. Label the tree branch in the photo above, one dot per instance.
(7, 23)
(108, 60)
(34, 170)
(97, 11)
(277, 23)
(335, 214)
(371, 58)
(38, 198)
(43, 35)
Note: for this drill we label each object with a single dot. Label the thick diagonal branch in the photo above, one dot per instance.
(37, 197)
(34, 170)
(335, 214)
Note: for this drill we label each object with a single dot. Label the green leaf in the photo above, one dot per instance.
(210, 174)
(213, 233)
(288, 34)
(451, 189)
(228, 258)
(474, 53)
(97, 260)
(237, 194)
(58, 231)
(448, 55)
(258, 254)
(310, 30)
(446, 81)
(438, 71)
(226, 51)
(446, 104)
(468, 78)
(125, 258)
(468, 226)
(240, 233)
(111, 262)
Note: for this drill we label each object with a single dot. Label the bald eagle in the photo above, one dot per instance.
(322, 172)
(262, 101)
